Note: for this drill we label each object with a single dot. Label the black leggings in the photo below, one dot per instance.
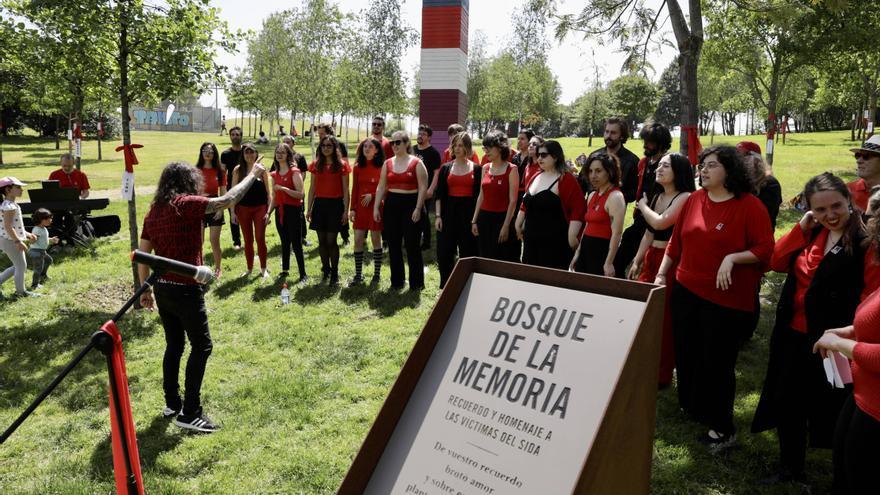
(290, 233)
(328, 249)
(401, 231)
(856, 451)
(183, 315)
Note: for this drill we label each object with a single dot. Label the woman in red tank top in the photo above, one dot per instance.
(492, 222)
(215, 185)
(403, 183)
(606, 209)
(365, 179)
(289, 193)
(328, 204)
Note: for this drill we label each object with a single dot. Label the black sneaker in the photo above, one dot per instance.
(334, 279)
(197, 422)
(356, 280)
(169, 413)
(375, 280)
(717, 442)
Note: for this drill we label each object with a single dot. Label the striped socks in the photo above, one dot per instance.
(377, 262)
(358, 264)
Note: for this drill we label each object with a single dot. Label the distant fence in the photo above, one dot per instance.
(189, 119)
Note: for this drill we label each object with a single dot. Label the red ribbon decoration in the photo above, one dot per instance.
(77, 132)
(130, 157)
(121, 391)
(771, 132)
(693, 140)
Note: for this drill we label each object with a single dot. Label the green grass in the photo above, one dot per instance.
(296, 387)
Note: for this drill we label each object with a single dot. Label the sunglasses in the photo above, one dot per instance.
(208, 150)
(543, 154)
(864, 156)
(398, 142)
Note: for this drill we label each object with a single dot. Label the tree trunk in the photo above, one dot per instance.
(101, 123)
(126, 128)
(872, 114)
(688, 59)
(852, 129)
(77, 124)
(57, 130)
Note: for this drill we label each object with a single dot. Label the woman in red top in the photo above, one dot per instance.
(857, 434)
(328, 204)
(458, 186)
(214, 180)
(492, 222)
(825, 262)
(403, 183)
(673, 184)
(722, 242)
(605, 212)
(549, 219)
(289, 193)
(370, 158)
(528, 166)
(252, 210)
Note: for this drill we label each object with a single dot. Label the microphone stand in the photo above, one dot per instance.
(103, 342)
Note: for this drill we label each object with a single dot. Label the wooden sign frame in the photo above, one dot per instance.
(620, 458)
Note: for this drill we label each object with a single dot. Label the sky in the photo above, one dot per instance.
(571, 60)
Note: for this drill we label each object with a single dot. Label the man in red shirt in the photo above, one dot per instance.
(69, 176)
(868, 163)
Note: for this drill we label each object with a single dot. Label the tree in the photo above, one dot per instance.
(633, 97)
(668, 110)
(634, 26)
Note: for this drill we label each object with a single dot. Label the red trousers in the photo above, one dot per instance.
(252, 221)
(653, 259)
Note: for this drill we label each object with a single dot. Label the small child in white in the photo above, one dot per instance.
(38, 252)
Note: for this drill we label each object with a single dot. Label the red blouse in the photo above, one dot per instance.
(529, 173)
(810, 255)
(407, 180)
(328, 184)
(496, 189)
(286, 180)
(365, 180)
(866, 356)
(211, 181)
(706, 232)
(596, 217)
(571, 197)
(460, 186)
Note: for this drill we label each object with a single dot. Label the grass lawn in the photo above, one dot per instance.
(296, 387)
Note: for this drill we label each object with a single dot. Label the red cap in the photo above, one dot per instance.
(746, 147)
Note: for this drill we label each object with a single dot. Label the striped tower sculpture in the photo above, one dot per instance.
(443, 99)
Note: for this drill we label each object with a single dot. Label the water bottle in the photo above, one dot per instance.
(285, 294)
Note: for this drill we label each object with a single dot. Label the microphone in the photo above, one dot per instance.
(201, 274)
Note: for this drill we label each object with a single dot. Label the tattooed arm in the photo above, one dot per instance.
(237, 192)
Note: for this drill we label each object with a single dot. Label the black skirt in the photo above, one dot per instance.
(327, 215)
(594, 251)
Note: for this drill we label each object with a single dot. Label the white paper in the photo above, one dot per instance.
(769, 146)
(78, 148)
(829, 370)
(837, 370)
(69, 135)
(870, 127)
(127, 186)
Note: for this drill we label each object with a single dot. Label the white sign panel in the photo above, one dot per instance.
(514, 392)
(127, 186)
(79, 148)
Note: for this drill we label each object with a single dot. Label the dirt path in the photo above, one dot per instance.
(116, 194)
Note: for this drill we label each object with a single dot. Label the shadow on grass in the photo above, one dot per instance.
(26, 372)
(152, 442)
(230, 285)
(384, 302)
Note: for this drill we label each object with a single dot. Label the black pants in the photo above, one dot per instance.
(402, 232)
(235, 230)
(304, 228)
(183, 314)
(856, 451)
(455, 236)
(707, 338)
(550, 252)
(425, 223)
(489, 225)
(290, 233)
(629, 246)
(594, 252)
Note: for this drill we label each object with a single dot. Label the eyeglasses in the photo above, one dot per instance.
(864, 156)
(708, 165)
(327, 145)
(398, 142)
(543, 154)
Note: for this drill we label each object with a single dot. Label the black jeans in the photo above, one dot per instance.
(290, 234)
(856, 452)
(629, 246)
(707, 337)
(456, 236)
(183, 314)
(402, 231)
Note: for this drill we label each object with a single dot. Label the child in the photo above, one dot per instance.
(40, 259)
(13, 235)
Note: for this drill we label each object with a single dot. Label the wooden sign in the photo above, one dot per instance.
(524, 380)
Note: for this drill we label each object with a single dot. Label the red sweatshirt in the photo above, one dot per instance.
(706, 232)
(866, 356)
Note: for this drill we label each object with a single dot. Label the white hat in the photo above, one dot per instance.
(11, 181)
(872, 145)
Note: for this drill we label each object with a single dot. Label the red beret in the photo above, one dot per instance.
(746, 147)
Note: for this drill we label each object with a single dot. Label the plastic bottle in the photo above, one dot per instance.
(285, 294)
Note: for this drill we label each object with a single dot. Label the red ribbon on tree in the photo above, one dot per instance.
(130, 157)
(771, 132)
(77, 132)
(100, 129)
(116, 429)
(693, 140)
